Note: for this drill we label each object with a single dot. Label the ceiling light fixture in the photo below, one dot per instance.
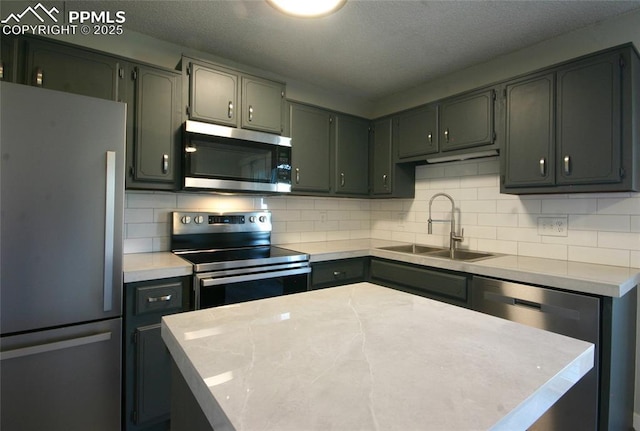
(307, 8)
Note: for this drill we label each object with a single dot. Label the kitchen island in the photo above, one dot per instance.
(365, 357)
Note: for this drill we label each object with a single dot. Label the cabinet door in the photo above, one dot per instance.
(589, 121)
(71, 70)
(530, 136)
(154, 130)
(262, 104)
(213, 95)
(467, 121)
(416, 132)
(153, 371)
(381, 178)
(310, 140)
(351, 155)
(8, 58)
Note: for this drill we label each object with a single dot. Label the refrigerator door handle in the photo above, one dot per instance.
(51, 347)
(109, 229)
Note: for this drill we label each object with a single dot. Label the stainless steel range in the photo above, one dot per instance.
(233, 259)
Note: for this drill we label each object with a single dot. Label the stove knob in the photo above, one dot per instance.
(199, 219)
(262, 219)
(252, 219)
(185, 219)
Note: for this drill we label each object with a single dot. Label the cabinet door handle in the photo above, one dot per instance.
(446, 134)
(342, 179)
(230, 109)
(164, 298)
(2, 70)
(567, 165)
(430, 137)
(384, 181)
(165, 163)
(543, 166)
(250, 113)
(39, 78)
(297, 175)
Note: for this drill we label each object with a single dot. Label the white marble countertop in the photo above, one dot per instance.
(364, 357)
(151, 266)
(613, 281)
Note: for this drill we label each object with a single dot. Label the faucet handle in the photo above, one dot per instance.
(457, 237)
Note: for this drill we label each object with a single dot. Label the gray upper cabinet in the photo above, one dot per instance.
(530, 154)
(572, 128)
(416, 132)
(232, 98)
(467, 120)
(262, 104)
(213, 94)
(153, 127)
(72, 70)
(589, 121)
(388, 179)
(351, 173)
(310, 130)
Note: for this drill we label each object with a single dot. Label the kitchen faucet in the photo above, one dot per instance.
(453, 236)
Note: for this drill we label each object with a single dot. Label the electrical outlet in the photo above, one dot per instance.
(552, 226)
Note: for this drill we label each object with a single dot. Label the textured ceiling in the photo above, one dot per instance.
(369, 48)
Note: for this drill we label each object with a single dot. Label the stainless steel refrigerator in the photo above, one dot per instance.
(61, 206)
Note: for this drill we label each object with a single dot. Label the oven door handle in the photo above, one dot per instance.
(207, 282)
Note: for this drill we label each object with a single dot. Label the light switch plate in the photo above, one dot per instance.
(552, 226)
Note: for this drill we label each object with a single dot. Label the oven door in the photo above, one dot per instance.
(221, 288)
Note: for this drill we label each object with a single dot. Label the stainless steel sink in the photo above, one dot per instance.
(425, 250)
(413, 248)
(465, 255)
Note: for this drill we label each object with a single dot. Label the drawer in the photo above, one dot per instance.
(338, 272)
(159, 297)
(442, 285)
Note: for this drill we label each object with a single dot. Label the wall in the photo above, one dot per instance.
(602, 228)
(615, 31)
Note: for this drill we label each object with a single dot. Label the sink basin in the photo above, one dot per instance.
(413, 248)
(465, 255)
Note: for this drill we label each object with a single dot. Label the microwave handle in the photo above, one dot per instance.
(208, 282)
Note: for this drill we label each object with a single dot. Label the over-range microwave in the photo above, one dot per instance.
(227, 159)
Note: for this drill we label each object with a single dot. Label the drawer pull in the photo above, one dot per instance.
(164, 298)
(338, 273)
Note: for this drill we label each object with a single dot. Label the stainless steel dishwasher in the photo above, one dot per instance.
(565, 313)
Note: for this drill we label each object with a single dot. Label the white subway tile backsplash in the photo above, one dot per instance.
(600, 255)
(602, 227)
(547, 251)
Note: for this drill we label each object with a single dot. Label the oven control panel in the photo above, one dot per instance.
(205, 222)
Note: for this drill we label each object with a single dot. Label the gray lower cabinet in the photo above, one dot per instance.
(351, 155)
(339, 272)
(147, 371)
(388, 179)
(153, 127)
(443, 285)
(416, 132)
(571, 128)
(73, 70)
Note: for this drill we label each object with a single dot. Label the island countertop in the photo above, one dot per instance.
(365, 357)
